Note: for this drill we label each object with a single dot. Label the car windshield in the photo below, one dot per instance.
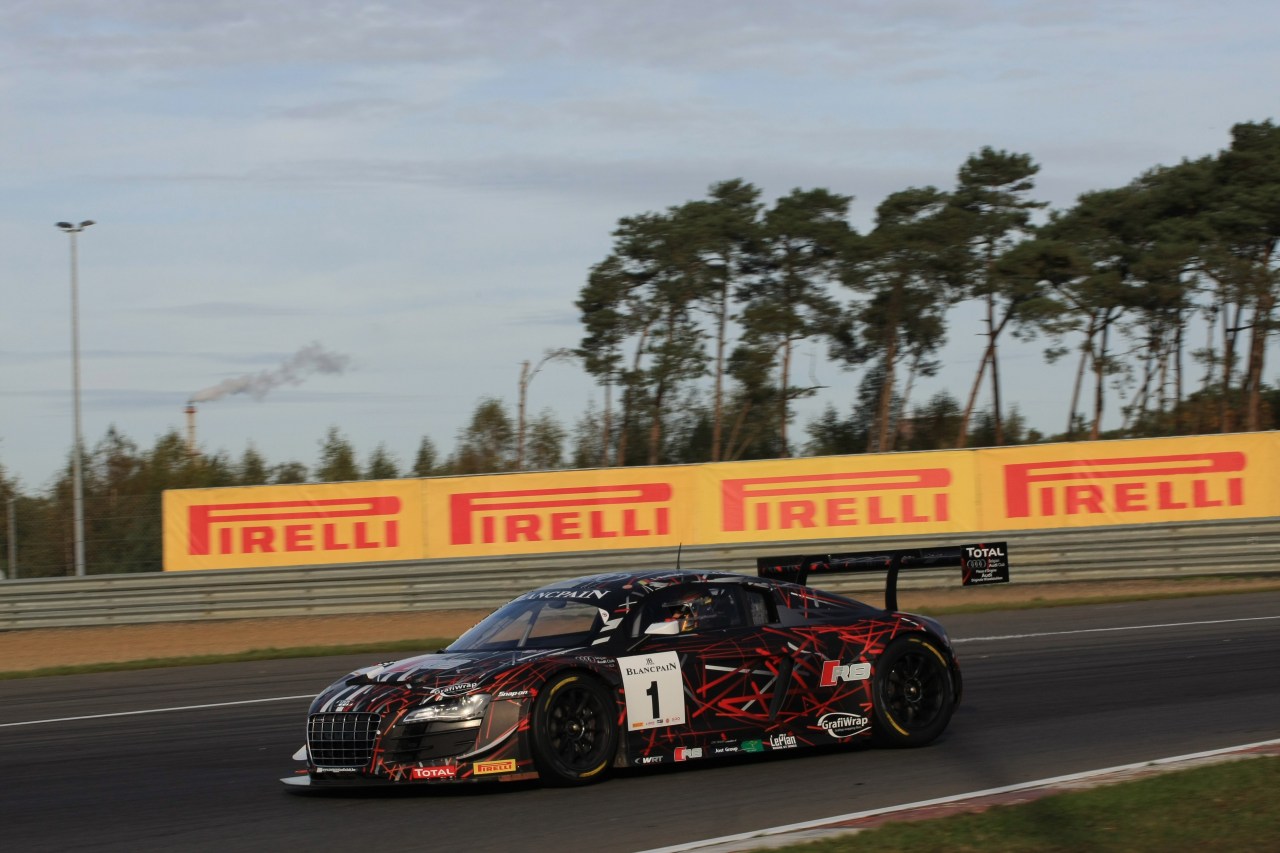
(533, 624)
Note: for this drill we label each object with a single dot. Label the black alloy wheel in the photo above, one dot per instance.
(914, 693)
(575, 731)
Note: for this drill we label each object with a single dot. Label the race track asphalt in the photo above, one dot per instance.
(1047, 692)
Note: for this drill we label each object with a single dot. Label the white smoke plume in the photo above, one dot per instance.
(306, 361)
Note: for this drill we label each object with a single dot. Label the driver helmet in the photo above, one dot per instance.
(688, 610)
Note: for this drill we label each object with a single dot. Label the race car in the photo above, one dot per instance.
(652, 667)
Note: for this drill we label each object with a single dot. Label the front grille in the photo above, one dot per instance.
(341, 740)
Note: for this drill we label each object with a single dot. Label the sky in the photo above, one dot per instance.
(316, 213)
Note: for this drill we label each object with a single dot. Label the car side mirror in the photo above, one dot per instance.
(664, 629)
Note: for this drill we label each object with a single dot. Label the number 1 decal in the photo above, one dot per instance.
(654, 690)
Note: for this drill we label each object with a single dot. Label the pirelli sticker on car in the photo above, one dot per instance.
(654, 690)
(483, 768)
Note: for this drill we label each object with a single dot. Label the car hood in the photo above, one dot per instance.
(453, 673)
(441, 670)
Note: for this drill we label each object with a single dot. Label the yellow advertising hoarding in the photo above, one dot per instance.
(831, 497)
(563, 511)
(1084, 484)
(1089, 484)
(249, 527)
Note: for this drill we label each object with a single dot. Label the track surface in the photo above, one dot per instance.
(1100, 693)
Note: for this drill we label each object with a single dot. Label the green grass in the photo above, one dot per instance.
(390, 647)
(1228, 806)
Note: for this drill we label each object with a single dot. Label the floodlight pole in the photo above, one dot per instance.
(77, 474)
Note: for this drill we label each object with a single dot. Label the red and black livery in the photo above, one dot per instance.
(654, 667)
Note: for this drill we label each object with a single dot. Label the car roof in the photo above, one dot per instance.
(638, 584)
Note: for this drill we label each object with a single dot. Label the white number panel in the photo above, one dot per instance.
(654, 690)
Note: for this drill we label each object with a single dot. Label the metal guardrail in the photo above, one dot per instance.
(480, 583)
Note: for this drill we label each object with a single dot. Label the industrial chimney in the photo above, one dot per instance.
(191, 429)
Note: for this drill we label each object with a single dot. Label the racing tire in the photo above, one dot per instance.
(914, 693)
(574, 732)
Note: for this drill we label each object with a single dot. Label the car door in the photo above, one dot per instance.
(710, 685)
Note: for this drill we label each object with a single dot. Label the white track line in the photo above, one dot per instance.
(156, 711)
(1056, 780)
(1117, 628)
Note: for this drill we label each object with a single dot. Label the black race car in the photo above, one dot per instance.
(655, 667)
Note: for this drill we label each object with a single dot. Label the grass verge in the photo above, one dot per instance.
(1228, 806)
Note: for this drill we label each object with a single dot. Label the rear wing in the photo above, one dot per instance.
(981, 563)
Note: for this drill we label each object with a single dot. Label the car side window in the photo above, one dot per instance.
(758, 610)
(689, 608)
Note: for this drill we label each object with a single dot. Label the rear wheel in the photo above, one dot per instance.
(574, 733)
(914, 693)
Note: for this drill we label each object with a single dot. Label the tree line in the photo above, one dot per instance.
(692, 323)
(728, 287)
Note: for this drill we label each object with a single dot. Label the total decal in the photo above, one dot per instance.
(444, 771)
(654, 689)
(984, 564)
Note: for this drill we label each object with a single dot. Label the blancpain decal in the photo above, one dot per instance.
(654, 689)
(842, 725)
(591, 594)
(649, 667)
(787, 741)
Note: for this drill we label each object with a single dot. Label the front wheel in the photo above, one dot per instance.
(574, 733)
(914, 693)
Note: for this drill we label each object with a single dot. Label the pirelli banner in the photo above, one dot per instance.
(1088, 484)
(379, 520)
(1081, 484)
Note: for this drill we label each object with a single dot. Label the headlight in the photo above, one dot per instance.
(463, 708)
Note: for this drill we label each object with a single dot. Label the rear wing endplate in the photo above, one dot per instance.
(980, 563)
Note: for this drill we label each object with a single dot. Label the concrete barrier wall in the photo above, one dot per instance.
(1141, 551)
